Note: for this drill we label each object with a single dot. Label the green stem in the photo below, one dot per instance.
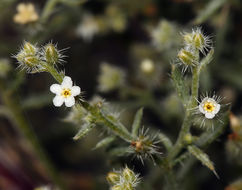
(49, 6)
(16, 113)
(187, 120)
(53, 71)
(195, 85)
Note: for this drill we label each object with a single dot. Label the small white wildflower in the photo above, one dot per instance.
(26, 13)
(65, 92)
(209, 107)
(88, 27)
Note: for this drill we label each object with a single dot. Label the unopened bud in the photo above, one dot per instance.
(51, 54)
(128, 186)
(128, 175)
(198, 40)
(188, 138)
(186, 57)
(31, 61)
(113, 178)
(188, 38)
(117, 187)
(29, 49)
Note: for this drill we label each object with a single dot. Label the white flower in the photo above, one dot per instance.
(88, 27)
(65, 92)
(209, 107)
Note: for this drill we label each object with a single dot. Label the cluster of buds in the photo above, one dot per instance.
(31, 57)
(234, 142)
(145, 146)
(194, 42)
(123, 180)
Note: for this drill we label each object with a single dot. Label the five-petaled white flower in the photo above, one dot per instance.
(65, 92)
(209, 107)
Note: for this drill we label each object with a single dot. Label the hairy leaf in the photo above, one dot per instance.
(180, 84)
(104, 142)
(86, 128)
(137, 122)
(201, 156)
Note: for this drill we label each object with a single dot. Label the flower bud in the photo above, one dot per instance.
(188, 138)
(128, 175)
(31, 61)
(51, 54)
(113, 178)
(188, 38)
(187, 57)
(117, 187)
(29, 49)
(198, 40)
(128, 186)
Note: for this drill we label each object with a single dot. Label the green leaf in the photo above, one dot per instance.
(180, 84)
(165, 140)
(137, 122)
(208, 11)
(203, 157)
(117, 128)
(206, 60)
(86, 128)
(120, 151)
(104, 142)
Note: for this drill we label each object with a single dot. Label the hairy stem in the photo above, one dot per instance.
(187, 120)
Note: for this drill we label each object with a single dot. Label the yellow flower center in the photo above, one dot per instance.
(66, 92)
(208, 106)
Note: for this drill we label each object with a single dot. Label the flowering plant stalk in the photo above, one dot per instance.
(196, 54)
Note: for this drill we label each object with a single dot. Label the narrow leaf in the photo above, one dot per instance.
(120, 151)
(180, 84)
(83, 131)
(137, 122)
(203, 157)
(104, 142)
(165, 140)
(206, 60)
(208, 11)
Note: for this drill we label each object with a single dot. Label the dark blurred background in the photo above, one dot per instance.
(80, 166)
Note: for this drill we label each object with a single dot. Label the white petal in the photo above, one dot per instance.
(67, 82)
(58, 101)
(75, 90)
(55, 88)
(217, 108)
(201, 108)
(209, 115)
(69, 102)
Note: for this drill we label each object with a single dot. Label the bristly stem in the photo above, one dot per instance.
(187, 120)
